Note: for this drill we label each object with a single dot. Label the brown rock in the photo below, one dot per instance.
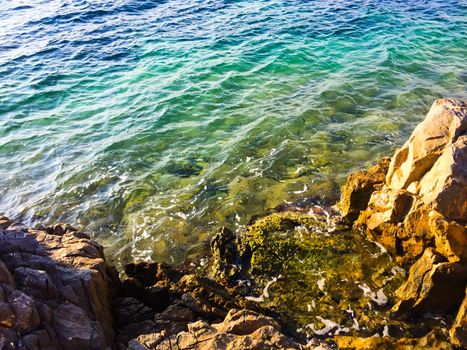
(255, 332)
(55, 289)
(244, 322)
(420, 214)
(458, 331)
(424, 200)
(429, 280)
(444, 124)
(27, 317)
(74, 328)
(430, 341)
(359, 187)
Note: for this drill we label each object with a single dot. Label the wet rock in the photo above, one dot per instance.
(226, 260)
(432, 340)
(55, 289)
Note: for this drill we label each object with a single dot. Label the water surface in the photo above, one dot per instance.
(151, 123)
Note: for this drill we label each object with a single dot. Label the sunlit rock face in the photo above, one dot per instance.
(424, 199)
(420, 212)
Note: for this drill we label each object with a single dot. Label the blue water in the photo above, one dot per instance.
(151, 123)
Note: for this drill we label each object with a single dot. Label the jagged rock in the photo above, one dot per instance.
(197, 316)
(55, 289)
(431, 158)
(420, 214)
(359, 187)
(429, 279)
(458, 331)
(241, 329)
(424, 200)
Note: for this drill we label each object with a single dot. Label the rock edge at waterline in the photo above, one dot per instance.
(416, 207)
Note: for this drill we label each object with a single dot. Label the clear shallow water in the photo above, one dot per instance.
(150, 124)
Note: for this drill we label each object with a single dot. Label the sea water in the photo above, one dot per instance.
(150, 124)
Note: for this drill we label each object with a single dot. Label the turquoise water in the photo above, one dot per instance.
(149, 124)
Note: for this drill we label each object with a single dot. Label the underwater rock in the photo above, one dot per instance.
(313, 273)
(225, 257)
(184, 168)
(433, 340)
(55, 289)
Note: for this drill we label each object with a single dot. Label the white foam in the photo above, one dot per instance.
(321, 282)
(328, 327)
(265, 294)
(379, 297)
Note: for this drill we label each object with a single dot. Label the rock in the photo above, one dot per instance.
(458, 331)
(423, 202)
(359, 187)
(445, 123)
(241, 329)
(419, 215)
(444, 186)
(225, 256)
(201, 313)
(429, 279)
(430, 341)
(55, 289)
(75, 330)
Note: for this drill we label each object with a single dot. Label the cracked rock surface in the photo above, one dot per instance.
(55, 289)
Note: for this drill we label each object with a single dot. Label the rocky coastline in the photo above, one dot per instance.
(386, 268)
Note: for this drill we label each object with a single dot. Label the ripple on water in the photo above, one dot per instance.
(150, 123)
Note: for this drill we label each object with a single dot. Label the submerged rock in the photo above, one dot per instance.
(433, 340)
(316, 276)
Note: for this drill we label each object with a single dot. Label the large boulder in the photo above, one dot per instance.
(419, 214)
(55, 289)
(424, 200)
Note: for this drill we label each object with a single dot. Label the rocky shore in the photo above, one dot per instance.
(384, 269)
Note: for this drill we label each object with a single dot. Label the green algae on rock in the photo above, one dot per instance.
(316, 275)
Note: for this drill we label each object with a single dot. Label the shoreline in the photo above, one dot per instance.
(413, 207)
